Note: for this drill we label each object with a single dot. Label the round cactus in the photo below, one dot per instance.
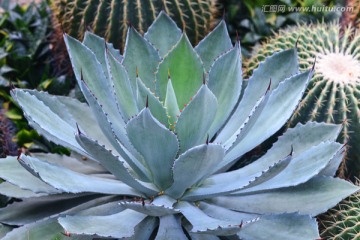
(110, 19)
(343, 221)
(333, 93)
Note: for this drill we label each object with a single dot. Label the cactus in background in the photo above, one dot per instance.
(110, 19)
(343, 221)
(334, 91)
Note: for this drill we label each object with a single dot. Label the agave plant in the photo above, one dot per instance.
(152, 159)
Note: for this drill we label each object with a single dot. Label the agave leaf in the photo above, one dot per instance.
(286, 66)
(170, 228)
(249, 123)
(75, 163)
(193, 166)
(214, 44)
(195, 120)
(46, 121)
(186, 71)
(145, 228)
(156, 144)
(87, 68)
(228, 182)
(114, 52)
(300, 169)
(35, 209)
(140, 58)
(113, 164)
(85, 118)
(227, 90)
(11, 171)
(172, 108)
(201, 236)
(226, 214)
(13, 191)
(4, 230)
(301, 138)
(73, 182)
(111, 225)
(284, 226)
(144, 94)
(45, 229)
(163, 33)
(98, 46)
(150, 209)
(116, 135)
(202, 223)
(332, 167)
(273, 117)
(124, 92)
(313, 197)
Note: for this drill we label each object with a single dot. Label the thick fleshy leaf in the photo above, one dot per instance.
(97, 45)
(35, 209)
(149, 209)
(300, 169)
(84, 117)
(286, 66)
(4, 230)
(213, 45)
(113, 164)
(46, 229)
(193, 166)
(73, 162)
(301, 138)
(226, 214)
(202, 223)
(313, 197)
(279, 108)
(116, 135)
(332, 167)
(229, 182)
(163, 33)
(110, 225)
(170, 228)
(284, 226)
(11, 190)
(172, 108)
(193, 124)
(225, 79)
(140, 58)
(14, 173)
(123, 90)
(186, 71)
(46, 121)
(87, 68)
(73, 182)
(144, 94)
(157, 144)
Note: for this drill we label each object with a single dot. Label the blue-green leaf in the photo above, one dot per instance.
(193, 166)
(193, 124)
(286, 66)
(157, 144)
(140, 58)
(186, 71)
(213, 45)
(111, 225)
(163, 33)
(225, 79)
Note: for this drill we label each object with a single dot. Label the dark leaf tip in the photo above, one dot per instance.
(147, 101)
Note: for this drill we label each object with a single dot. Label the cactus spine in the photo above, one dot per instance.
(342, 221)
(110, 18)
(334, 91)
